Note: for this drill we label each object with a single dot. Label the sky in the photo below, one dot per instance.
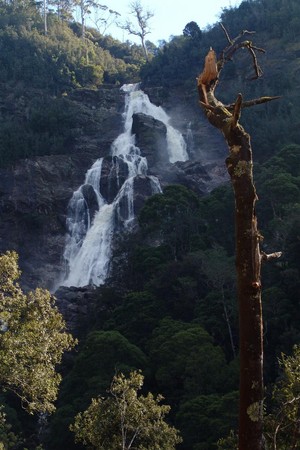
(170, 16)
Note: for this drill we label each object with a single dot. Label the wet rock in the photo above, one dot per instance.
(151, 138)
(34, 195)
(76, 306)
(126, 211)
(143, 189)
(33, 207)
(114, 173)
(90, 197)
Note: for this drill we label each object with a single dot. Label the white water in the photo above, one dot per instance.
(88, 247)
(91, 262)
(138, 102)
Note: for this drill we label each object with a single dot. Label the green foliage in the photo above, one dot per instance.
(32, 340)
(36, 70)
(282, 425)
(100, 356)
(8, 439)
(217, 311)
(174, 215)
(278, 180)
(125, 419)
(169, 318)
(271, 126)
(192, 30)
(183, 225)
(136, 317)
(218, 267)
(148, 260)
(103, 352)
(183, 358)
(50, 128)
(181, 57)
(228, 443)
(205, 418)
(217, 212)
(19, 15)
(61, 60)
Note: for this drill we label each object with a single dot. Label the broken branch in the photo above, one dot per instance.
(237, 111)
(256, 101)
(268, 257)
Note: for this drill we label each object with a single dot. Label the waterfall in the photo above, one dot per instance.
(91, 221)
(138, 102)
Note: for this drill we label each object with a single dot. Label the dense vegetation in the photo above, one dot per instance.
(276, 27)
(171, 309)
(32, 342)
(141, 417)
(37, 72)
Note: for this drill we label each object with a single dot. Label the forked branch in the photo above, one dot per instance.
(268, 257)
(232, 41)
(235, 44)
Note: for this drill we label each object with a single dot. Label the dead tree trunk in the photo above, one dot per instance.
(248, 256)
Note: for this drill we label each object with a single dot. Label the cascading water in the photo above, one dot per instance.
(91, 220)
(138, 102)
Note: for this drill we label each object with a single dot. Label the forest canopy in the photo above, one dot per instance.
(171, 309)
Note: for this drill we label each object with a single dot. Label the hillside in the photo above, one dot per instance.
(168, 304)
(276, 28)
(54, 65)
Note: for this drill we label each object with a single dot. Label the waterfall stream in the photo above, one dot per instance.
(88, 247)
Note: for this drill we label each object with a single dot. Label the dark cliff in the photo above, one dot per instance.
(34, 194)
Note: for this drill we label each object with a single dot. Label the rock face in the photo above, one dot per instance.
(33, 206)
(114, 173)
(142, 190)
(76, 305)
(150, 137)
(34, 195)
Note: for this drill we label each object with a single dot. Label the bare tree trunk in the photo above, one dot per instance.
(248, 256)
(142, 16)
(248, 264)
(144, 48)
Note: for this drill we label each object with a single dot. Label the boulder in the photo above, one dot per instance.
(142, 189)
(150, 137)
(114, 173)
